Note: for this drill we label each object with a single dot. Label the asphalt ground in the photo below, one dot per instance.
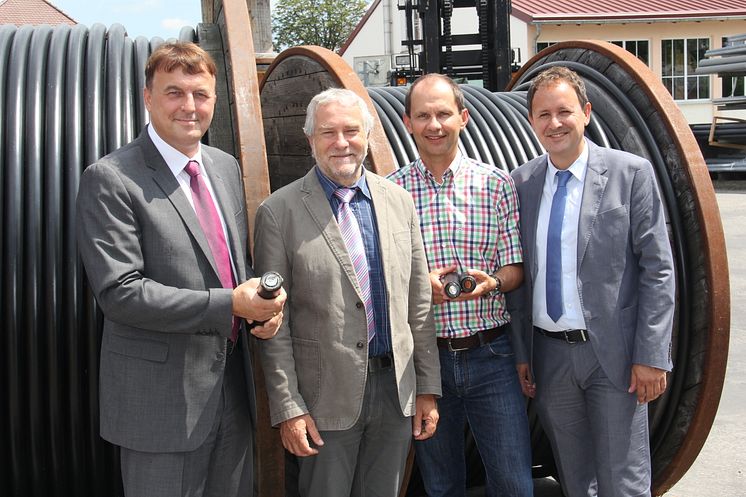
(720, 468)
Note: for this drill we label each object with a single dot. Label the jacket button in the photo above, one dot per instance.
(359, 305)
(360, 344)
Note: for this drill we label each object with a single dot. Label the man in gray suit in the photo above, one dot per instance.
(596, 308)
(353, 372)
(162, 231)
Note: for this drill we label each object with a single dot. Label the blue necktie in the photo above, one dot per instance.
(555, 307)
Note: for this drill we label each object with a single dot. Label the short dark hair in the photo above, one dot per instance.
(555, 75)
(186, 56)
(458, 95)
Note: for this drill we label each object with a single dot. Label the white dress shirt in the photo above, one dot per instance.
(572, 316)
(176, 162)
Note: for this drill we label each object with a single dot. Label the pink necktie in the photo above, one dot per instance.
(208, 217)
(355, 247)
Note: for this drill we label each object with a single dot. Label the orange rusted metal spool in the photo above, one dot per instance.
(297, 74)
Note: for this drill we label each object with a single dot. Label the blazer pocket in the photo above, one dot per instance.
(403, 258)
(307, 369)
(614, 220)
(149, 350)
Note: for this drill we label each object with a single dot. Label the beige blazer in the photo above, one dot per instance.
(317, 362)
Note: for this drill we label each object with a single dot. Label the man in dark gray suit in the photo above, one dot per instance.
(353, 373)
(596, 308)
(162, 231)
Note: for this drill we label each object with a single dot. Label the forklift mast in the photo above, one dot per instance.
(491, 62)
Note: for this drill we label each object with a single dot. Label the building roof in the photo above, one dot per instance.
(598, 11)
(20, 12)
(544, 11)
(368, 13)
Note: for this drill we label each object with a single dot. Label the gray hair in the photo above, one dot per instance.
(340, 96)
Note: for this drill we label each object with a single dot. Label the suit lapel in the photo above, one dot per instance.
(593, 192)
(228, 208)
(165, 179)
(533, 189)
(382, 212)
(320, 211)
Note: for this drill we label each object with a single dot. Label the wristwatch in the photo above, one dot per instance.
(498, 286)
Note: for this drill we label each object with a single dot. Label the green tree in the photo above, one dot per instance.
(326, 23)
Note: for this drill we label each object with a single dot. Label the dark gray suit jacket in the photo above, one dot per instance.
(625, 267)
(166, 317)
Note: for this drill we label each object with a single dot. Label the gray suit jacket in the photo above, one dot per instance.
(166, 317)
(625, 267)
(317, 362)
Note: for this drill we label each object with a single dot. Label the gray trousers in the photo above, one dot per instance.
(598, 433)
(221, 467)
(368, 459)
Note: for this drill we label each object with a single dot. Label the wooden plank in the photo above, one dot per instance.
(290, 97)
(220, 134)
(285, 137)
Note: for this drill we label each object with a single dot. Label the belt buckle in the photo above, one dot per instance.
(583, 336)
(451, 349)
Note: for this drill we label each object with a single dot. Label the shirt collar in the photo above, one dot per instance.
(452, 170)
(175, 160)
(331, 186)
(577, 168)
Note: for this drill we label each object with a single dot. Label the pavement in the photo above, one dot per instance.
(720, 468)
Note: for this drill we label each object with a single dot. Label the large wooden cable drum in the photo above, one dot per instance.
(632, 111)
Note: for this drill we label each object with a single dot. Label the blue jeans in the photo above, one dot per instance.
(479, 386)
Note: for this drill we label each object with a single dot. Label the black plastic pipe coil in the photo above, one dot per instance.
(68, 96)
(498, 133)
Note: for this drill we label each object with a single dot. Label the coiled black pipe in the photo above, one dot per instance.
(500, 135)
(68, 96)
(503, 138)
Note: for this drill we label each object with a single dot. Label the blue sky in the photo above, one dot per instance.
(147, 18)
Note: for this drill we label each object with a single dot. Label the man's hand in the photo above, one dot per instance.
(485, 284)
(295, 432)
(249, 305)
(648, 382)
(524, 377)
(439, 295)
(268, 329)
(425, 417)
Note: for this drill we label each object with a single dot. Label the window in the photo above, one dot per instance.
(638, 48)
(733, 86)
(680, 59)
(541, 45)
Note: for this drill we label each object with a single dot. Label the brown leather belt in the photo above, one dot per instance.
(471, 342)
(569, 336)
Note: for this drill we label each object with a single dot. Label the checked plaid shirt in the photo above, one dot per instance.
(470, 220)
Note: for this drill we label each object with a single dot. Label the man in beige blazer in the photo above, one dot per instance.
(353, 373)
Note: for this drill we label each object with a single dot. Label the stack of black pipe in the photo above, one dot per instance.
(68, 96)
(499, 133)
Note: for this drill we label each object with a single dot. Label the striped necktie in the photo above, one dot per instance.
(353, 239)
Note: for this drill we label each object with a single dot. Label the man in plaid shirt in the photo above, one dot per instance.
(469, 222)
